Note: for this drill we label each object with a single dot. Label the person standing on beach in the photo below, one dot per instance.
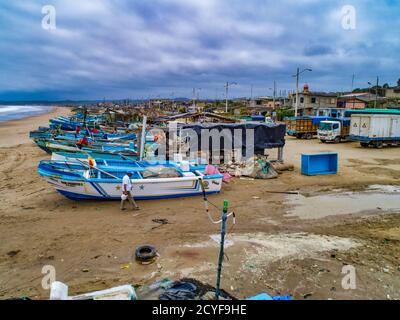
(77, 131)
(127, 192)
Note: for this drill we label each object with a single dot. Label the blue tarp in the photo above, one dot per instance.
(266, 296)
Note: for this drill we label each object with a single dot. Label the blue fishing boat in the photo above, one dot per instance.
(52, 145)
(68, 135)
(86, 155)
(80, 180)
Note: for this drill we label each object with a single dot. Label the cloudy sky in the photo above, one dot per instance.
(140, 48)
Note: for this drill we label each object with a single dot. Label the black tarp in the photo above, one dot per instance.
(266, 136)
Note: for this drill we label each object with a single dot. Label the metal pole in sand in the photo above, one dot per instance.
(221, 251)
(143, 138)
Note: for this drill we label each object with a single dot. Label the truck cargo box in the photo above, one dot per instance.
(375, 127)
(304, 127)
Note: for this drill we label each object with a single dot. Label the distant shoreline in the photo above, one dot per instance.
(13, 114)
(16, 132)
(28, 117)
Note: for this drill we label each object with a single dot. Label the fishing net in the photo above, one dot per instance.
(160, 172)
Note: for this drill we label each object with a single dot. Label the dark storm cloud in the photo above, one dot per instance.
(118, 49)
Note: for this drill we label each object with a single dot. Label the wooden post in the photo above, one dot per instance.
(280, 154)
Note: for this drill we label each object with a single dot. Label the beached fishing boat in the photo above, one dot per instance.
(78, 180)
(70, 124)
(51, 145)
(48, 133)
(86, 155)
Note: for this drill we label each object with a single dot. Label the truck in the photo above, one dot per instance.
(305, 127)
(336, 131)
(375, 127)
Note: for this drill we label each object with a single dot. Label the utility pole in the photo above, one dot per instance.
(251, 96)
(297, 75)
(352, 82)
(198, 96)
(297, 92)
(376, 92)
(274, 94)
(226, 97)
(226, 94)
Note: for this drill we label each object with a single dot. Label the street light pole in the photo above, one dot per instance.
(297, 75)
(226, 94)
(226, 97)
(297, 93)
(198, 95)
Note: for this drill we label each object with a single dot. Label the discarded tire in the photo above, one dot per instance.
(145, 253)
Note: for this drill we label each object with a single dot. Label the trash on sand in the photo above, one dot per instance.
(227, 178)
(256, 167)
(279, 167)
(59, 291)
(256, 198)
(266, 296)
(191, 289)
(126, 266)
(283, 192)
(161, 223)
(180, 291)
(13, 253)
(85, 270)
(146, 254)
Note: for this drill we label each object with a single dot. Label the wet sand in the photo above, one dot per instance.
(91, 244)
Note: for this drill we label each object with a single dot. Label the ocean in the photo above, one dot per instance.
(17, 112)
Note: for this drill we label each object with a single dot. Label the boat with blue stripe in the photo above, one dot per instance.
(102, 179)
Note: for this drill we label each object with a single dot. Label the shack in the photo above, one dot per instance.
(222, 135)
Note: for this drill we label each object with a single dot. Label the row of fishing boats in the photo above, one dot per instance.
(90, 158)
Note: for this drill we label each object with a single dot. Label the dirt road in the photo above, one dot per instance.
(91, 244)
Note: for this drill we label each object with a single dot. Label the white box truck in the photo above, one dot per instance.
(334, 130)
(375, 129)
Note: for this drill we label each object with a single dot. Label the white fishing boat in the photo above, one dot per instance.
(79, 180)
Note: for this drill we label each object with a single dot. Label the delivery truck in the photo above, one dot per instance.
(336, 131)
(305, 127)
(375, 128)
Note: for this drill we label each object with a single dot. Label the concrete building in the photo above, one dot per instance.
(392, 93)
(311, 102)
(267, 102)
(361, 100)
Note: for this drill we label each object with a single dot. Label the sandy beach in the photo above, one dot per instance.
(91, 244)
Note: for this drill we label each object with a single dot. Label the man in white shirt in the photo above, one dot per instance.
(127, 192)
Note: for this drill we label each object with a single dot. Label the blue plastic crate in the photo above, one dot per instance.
(319, 164)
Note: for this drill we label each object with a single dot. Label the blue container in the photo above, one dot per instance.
(319, 164)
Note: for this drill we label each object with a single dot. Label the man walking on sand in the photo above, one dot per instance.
(127, 192)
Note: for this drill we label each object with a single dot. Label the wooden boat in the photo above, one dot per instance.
(79, 180)
(86, 155)
(48, 133)
(51, 145)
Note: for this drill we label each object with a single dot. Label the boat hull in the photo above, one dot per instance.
(142, 189)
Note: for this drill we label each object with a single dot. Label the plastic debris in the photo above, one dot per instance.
(266, 296)
(180, 291)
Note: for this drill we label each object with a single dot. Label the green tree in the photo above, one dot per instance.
(398, 83)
